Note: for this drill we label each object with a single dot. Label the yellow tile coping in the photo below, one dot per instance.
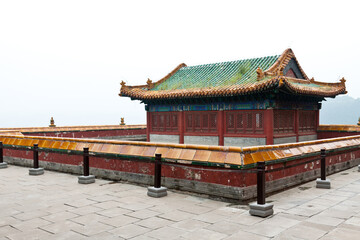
(339, 128)
(185, 152)
(73, 128)
(10, 132)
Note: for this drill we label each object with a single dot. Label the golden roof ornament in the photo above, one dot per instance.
(260, 74)
(52, 122)
(342, 80)
(122, 121)
(149, 84)
(123, 84)
(281, 82)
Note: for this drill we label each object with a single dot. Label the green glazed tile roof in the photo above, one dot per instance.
(217, 74)
(234, 78)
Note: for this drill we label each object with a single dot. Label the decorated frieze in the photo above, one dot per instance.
(249, 105)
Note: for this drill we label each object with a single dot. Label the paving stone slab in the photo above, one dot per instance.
(177, 215)
(165, 233)
(30, 203)
(130, 231)
(60, 227)
(343, 234)
(246, 235)
(89, 218)
(143, 214)
(302, 232)
(204, 234)
(119, 221)
(326, 220)
(114, 212)
(155, 222)
(34, 234)
(92, 229)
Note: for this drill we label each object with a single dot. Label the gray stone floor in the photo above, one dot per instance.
(55, 206)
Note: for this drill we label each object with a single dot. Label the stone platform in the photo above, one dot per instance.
(55, 206)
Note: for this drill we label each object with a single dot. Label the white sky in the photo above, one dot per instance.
(66, 59)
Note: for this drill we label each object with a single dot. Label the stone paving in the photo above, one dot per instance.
(55, 206)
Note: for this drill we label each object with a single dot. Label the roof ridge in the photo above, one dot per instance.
(233, 61)
(152, 85)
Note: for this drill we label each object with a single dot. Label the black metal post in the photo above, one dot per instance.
(36, 156)
(1, 152)
(261, 182)
(86, 161)
(323, 164)
(157, 177)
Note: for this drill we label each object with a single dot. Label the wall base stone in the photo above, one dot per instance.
(203, 140)
(244, 141)
(164, 138)
(307, 138)
(281, 140)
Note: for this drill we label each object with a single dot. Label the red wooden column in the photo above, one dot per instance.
(220, 127)
(148, 126)
(269, 126)
(181, 117)
(297, 118)
(317, 114)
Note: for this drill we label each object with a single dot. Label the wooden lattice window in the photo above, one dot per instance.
(212, 122)
(307, 121)
(200, 122)
(248, 122)
(164, 122)
(154, 122)
(284, 121)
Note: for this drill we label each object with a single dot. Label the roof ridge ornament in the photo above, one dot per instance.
(149, 83)
(260, 73)
(52, 122)
(123, 84)
(342, 80)
(281, 82)
(312, 80)
(122, 121)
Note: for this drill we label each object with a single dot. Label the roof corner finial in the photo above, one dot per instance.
(123, 84)
(149, 84)
(122, 121)
(52, 122)
(312, 79)
(342, 80)
(281, 82)
(260, 74)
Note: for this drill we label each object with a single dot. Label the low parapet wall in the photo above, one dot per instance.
(334, 131)
(136, 132)
(213, 170)
(10, 133)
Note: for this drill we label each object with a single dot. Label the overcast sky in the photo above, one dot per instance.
(66, 59)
